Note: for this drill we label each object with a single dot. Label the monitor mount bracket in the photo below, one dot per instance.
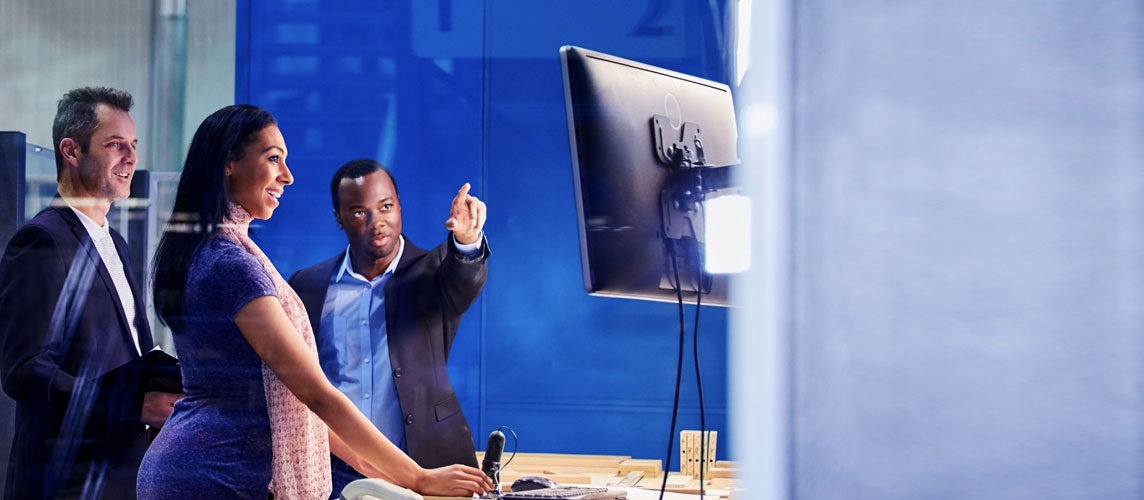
(682, 153)
(681, 203)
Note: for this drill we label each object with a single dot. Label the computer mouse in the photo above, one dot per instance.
(527, 483)
(374, 488)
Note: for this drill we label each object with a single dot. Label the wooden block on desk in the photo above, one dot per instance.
(721, 483)
(563, 469)
(681, 483)
(571, 455)
(559, 458)
(630, 479)
(727, 464)
(692, 455)
(570, 460)
(539, 469)
(722, 472)
(650, 468)
(571, 478)
(674, 480)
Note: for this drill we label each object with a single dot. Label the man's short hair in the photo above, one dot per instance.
(355, 169)
(76, 118)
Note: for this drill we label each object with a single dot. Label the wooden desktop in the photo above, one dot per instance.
(611, 470)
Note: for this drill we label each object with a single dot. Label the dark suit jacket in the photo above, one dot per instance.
(64, 342)
(424, 301)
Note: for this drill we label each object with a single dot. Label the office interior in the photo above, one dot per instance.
(946, 291)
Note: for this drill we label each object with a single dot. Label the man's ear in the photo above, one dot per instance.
(70, 151)
(339, 219)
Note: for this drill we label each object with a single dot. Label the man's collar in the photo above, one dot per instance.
(91, 226)
(346, 268)
(73, 202)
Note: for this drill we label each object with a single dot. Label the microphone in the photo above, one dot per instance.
(491, 464)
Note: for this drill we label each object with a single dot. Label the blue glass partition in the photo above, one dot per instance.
(450, 92)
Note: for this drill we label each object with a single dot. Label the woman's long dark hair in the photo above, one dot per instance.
(200, 202)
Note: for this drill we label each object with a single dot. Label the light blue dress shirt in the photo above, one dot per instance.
(353, 345)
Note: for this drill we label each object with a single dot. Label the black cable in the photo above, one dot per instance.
(515, 444)
(678, 369)
(699, 379)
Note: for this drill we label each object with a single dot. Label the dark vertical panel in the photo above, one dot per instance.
(12, 151)
(12, 164)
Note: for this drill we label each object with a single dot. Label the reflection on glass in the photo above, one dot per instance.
(39, 179)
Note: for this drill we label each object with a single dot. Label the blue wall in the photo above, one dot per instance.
(447, 92)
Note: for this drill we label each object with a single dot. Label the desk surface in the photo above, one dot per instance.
(609, 470)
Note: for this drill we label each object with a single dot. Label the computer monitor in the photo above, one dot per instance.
(628, 123)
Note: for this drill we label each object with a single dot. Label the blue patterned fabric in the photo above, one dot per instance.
(216, 444)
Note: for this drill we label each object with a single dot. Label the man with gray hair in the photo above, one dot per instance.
(72, 317)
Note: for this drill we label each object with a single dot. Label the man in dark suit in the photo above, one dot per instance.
(72, 317)
(385, 313)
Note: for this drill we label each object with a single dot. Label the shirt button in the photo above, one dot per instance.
(366, 360)
(409, 418)
(366, 395)
(397, 373)
(363, 322)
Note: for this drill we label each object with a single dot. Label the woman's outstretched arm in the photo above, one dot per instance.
(266, 327)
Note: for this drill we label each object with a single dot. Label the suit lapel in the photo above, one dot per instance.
(86, 243)
(393, 290)
(142, 326)
(392, 295)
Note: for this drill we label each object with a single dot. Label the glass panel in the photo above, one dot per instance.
(162, 200)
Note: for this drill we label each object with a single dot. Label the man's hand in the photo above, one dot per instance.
(157, 407)
(466, 217)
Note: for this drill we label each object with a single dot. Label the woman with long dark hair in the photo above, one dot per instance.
(259, 415)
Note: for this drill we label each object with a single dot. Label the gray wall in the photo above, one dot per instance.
(968, 250)
(210, 63)
(50, 46)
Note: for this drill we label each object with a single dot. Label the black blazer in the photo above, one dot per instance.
(424, 301)
(64, 344)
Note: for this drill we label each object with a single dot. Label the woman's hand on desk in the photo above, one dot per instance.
(453, 481)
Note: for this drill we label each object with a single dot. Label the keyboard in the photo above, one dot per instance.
(566, 493)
